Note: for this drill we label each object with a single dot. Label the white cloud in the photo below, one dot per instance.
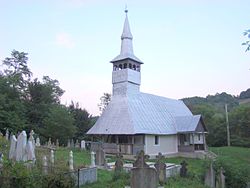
(65, 40)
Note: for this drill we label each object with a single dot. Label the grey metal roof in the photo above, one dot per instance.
(140, 113)
(187, 123)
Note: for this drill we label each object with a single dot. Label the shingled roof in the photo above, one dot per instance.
(143, 113)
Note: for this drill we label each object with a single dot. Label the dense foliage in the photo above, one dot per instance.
(27, 103)
(212, 108)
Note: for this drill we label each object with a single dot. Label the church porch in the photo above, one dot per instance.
(124, 144)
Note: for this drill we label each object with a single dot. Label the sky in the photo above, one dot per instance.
(189, 47)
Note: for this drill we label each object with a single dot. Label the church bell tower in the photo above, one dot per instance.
(126, 75)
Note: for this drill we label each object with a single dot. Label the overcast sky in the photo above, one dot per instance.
(189, 47)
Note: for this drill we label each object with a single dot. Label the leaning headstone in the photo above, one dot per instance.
(183, 170)
(140, 161)
(52, 157)
(83, 144)
(210, 177)
(57, 143)
(118, 163)
(100, 157)
(7, 134)
(92, 157)
(30, 151)
(38, 142)
(71, 162)
(143, 176)
(68, 145)
(21, 154)
(221, 179)
(160, 167)
(45, 165)
(13, 143)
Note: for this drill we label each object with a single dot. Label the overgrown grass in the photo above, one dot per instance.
(236, 163)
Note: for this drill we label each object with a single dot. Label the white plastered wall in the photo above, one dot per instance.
(167, 144)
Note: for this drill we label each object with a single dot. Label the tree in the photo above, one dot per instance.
(247, 43)
(105, 99)
(83, 121)
(59, 124)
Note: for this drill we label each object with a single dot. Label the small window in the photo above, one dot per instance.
(199, 137)
(156, 140)
(130, 66)
(120, 67)
(134, 67)
(125, 65)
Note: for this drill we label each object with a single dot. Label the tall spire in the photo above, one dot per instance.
(126, 43)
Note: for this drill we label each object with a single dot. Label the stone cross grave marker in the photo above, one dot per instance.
(118, 163)
(140, 161)
(160, 167)
(142, 176)
(183, 170)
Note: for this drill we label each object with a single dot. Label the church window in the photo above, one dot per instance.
(130, 66)
(156, 140)
(125, 65)
(120, 67)
(134, 67)
(199, 137)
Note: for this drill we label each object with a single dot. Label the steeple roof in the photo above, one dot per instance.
(126, 44)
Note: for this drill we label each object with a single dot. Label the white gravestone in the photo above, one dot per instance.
(13, 143)
(21, 154)
(30, 151)
(83, 144)
(38, 142)
(7, 134)
(31, 138)
(68, 145)
(45, 165)
(52, 157)
(49, 142)
(71, 162)
(92, 159)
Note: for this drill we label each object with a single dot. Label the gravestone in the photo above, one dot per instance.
(71, 162)
(30, 151)
(160, 167)
(210, 177)
(45, 165)
(57, 143)
(31, 138)
(49, 143)
(21, 154)
(100, 157)
(183, 170)
(92, 157)
(143, 176)
(52, 157)
(7, 134)
(140, 161)
(83, 144)
(72, 145)
(118, 163)
(77, 144)
(38, 142)
(13, 143)
(68, 144)
(221, 179)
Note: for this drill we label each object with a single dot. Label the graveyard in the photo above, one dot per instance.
(75, 166)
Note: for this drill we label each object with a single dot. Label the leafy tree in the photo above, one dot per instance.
(105, 99)
(247, 43)
(245, 94)
(59, 124)
(83, 121)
